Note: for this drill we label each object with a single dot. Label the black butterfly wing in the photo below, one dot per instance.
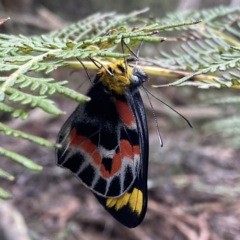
(130, 208)
(100, 143)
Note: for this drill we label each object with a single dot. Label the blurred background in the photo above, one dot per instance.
(194, 180)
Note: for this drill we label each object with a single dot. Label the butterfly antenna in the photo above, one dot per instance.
(130, 50)
(138, 49)
(125, 60)
(155, 118)
(85, 68)
(188, 122)
(133, 53)
(96, 62)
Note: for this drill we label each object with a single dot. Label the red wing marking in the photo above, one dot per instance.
(136, 150)
(125, 113)
(126, 149)
(85, 144)
(96, 158)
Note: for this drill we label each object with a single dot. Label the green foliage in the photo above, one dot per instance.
(4, 194)
(27, 163)
(208, 56)
(210, 48)
(6, 175)
(206, 43)
(228, 127)
(18, 134)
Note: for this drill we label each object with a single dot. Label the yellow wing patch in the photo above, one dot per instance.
(133, 199)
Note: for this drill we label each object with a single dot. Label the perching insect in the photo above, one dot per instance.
(105, 142)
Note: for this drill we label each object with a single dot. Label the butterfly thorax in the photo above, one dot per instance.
(118, 77)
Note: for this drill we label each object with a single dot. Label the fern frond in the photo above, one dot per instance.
(15, 112)
(26, 162)
(33, 101)
(228, 128)
(226, 62)
(225, 100)
(18, 134)
(6, 175)
(5, 194)
(207, 49)
(95, 25)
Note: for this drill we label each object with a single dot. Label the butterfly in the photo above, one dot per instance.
(105, 144)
